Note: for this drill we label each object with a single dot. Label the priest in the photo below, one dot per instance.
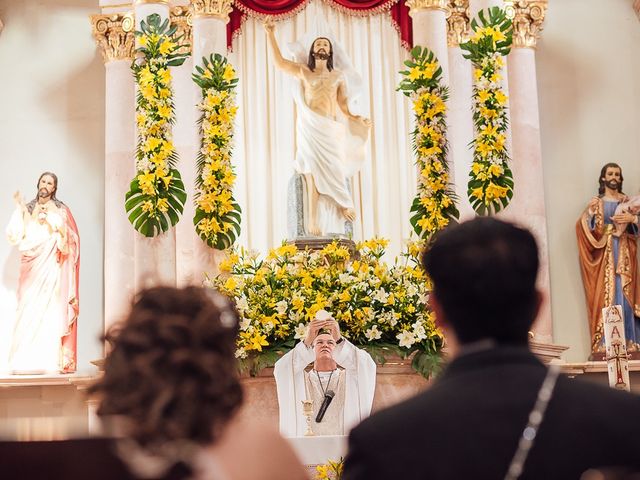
(340, 383)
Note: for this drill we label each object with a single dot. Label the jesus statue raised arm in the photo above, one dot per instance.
(330, 150)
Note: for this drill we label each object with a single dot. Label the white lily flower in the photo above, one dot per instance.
(406, 339)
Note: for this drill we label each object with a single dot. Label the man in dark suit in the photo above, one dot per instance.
(472, 420)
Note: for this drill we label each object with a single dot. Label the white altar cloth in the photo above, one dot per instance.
(319, 450)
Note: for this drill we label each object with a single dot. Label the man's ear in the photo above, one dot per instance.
(436, 308)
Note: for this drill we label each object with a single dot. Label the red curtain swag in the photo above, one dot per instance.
(281, 9)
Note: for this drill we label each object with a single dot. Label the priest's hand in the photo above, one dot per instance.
(314, 327)
(334, 328)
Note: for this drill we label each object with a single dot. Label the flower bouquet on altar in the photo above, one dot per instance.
(380, 307)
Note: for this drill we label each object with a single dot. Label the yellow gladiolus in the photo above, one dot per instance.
(229, 73)
(166, 47)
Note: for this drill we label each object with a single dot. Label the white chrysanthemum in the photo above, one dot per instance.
(482, 84)
(143, 164)
(245, 323)
(281, 307)
(373, 333)
(300, 331)
(406, 339)
(242, 304)
(345, 278)
(241, 353)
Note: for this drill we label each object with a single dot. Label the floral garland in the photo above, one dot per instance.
(217, 217)
(379, 307)
(156, 196)
(490, 186)
(434, 205)
(330, 470)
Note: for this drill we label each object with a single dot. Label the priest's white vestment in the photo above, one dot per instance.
(360, 382)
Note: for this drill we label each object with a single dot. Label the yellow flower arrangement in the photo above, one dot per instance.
(434, 206)
(156, 196)
(332, 470)
(491, 182)
(380, 307)
(217, 217)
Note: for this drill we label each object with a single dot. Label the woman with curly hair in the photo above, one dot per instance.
(170, 393)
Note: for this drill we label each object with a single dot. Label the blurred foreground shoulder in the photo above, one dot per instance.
(257, 452)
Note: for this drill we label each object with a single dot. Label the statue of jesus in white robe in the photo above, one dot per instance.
(329, 150)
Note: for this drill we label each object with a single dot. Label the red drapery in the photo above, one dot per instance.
(397, 9)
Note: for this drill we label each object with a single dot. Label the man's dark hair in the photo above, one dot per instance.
(311, 62)
(484, 275)
(602, 174)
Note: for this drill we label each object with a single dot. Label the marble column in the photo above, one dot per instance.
(184, 132)
(430, 29)
(115, 38)
(459, 119)
(155, 258)
(528, 206)
(209, 36)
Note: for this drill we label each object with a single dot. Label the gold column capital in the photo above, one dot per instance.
(212, 8)
(182, 18)
(159, 2)
(527, 17)
(419, 5)
(458, 22)
(114, 35)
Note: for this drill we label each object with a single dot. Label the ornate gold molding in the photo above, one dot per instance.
(418, 5)
(458, 22)
(160, 2)
(212, 8)
(114, 35)
(527, 17)
(182, 17)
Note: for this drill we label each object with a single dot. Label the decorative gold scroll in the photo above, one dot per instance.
(212, 8)
(527, 17)
(159, 2)
(418, 5)
(458, 18)
(114, 35)
(182, 17)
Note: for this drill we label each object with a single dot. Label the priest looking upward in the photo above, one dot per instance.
(342, 379)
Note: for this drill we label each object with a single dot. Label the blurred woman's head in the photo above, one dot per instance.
(171, 375)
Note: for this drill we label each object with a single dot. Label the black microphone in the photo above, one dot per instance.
(328, 396)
